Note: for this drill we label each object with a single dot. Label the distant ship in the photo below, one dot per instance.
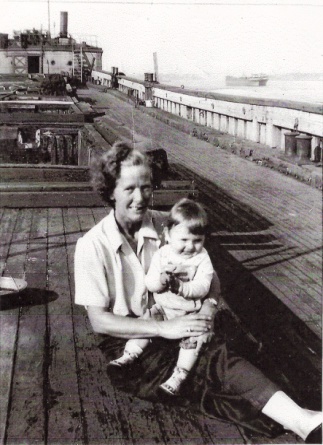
(259, 80)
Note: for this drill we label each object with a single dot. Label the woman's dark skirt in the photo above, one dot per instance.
(222, 385)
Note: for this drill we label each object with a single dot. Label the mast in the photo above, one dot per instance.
(82, 62)
(41, 51)
(73, 62)
(48, 12)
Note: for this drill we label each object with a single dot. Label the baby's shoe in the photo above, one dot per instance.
(126, 359)
(173, 384)
(129, 356)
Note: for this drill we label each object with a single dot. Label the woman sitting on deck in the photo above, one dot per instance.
(110, 265)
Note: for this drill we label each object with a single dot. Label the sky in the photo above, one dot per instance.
(189, 36)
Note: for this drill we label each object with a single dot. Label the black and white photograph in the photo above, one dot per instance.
(161, 222)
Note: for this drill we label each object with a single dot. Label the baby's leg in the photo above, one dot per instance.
(186, 361)
(133, 349)
(135, 346)
(135, 343)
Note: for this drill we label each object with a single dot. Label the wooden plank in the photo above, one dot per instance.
(8, 338)
(101, 416)
(15, 265)
(44, 199)
(36, 173)
(9, 315)
(100, 212)
(294, 273)
(177, 184)
(72, 234)
(63, 400)
(56, 103)
(260, 195)
(285, 269)
(41, 186)
(86, 219)
(113, 416)
(8, 222)
(288, 277)
(298, 260)
(27, 420)
(26, 423)
(170, 197)
(276, 328)
(46, 195)
(27, 118)
(141, 425)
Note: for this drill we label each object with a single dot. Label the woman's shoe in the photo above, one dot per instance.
(315, 436)
(173, 384)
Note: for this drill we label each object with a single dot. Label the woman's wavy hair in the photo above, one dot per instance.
(106, 169)
(192, 214)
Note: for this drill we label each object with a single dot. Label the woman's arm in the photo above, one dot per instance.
(104, 322)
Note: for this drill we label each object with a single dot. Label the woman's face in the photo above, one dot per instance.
(132, 193)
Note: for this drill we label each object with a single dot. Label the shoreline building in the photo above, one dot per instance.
(36, 52)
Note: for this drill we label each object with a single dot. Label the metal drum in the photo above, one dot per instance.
(303, 147)
(290, 143)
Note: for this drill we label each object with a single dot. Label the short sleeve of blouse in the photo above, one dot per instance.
(91, 288)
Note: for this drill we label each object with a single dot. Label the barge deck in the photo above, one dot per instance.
(266, 245)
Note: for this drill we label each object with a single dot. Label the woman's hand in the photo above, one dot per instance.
(192, 325)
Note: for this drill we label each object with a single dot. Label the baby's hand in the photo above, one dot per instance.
(166, 275)
(169, 268)
(174, 284)
(164, 279)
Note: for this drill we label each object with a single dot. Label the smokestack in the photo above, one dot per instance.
(64, 19)
(156, 67)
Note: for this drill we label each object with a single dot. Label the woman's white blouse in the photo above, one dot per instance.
(108, 273)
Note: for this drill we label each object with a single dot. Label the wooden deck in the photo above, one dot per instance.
(54, 389)
(266, 246)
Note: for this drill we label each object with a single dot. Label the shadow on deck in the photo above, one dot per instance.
(289, 351)
(54, 386)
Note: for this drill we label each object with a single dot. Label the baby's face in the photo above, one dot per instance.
(183, 242)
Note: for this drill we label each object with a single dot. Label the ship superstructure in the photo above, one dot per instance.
(36, 52)
(250, 81)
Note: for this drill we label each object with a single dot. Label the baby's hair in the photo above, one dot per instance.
(191, 213)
